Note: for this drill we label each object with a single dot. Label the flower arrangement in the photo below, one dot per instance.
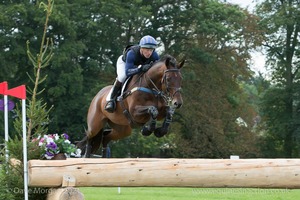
(53, 144)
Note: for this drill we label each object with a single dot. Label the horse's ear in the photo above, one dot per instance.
(181, 64)
(167, 62)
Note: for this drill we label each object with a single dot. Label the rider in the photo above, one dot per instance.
(136, 59)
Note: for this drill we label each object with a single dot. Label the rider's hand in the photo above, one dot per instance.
(146, 67)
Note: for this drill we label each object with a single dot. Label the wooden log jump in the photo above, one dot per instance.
(206, 173)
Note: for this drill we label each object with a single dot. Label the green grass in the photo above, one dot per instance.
(167, 193)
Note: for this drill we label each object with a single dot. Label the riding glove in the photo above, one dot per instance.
(146, 67)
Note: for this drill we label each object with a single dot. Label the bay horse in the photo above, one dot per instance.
(148, 97)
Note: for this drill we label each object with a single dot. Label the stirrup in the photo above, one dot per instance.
(110, 106)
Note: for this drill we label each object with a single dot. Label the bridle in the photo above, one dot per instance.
(164, 94)
(166, 83)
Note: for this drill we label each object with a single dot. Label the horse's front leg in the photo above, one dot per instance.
(148, 129)
(159, 132)
(142, 113)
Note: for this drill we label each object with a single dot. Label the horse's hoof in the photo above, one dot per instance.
(159, 132)
(145, 131)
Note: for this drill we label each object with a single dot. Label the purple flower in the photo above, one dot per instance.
(49, 153)
(65, 136)
(51, 145)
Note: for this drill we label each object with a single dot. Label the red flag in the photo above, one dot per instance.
(19, 92)
(3, 87)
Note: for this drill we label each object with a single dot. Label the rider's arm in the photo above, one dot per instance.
(130, 68)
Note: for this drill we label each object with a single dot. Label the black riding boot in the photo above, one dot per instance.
(111, 104)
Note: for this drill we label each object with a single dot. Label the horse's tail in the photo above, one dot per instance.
(82, 145)
(95, 143)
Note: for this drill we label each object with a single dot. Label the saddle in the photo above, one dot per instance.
(124, 93)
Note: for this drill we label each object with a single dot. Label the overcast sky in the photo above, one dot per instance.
(242, 3)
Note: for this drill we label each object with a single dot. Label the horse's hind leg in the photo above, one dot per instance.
(96, 121)
(105, 153)
(88, 148)
(91, 145)
(117, 132)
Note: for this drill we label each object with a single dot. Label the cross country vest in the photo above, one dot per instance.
(139, 59)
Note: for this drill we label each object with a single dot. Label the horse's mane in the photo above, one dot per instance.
(171, 59)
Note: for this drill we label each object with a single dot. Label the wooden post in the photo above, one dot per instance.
(69, 193)
(249, 173)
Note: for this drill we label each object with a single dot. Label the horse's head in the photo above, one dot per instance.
(171, 81)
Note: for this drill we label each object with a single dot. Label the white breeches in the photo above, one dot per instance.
(121, 75)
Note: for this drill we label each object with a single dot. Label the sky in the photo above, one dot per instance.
(243, 3)
(258, 59)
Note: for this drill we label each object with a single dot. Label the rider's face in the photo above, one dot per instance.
(146, 52)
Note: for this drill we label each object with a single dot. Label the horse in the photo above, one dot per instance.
(147, 98)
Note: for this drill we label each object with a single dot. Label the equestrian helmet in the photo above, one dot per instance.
(148, 42)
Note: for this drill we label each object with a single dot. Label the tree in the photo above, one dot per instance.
(15, 63)
(37, 118)
(218, 49)
(88, 36)
(13, 35)
(281, 20)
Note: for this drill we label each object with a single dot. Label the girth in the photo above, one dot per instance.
(124, 95)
